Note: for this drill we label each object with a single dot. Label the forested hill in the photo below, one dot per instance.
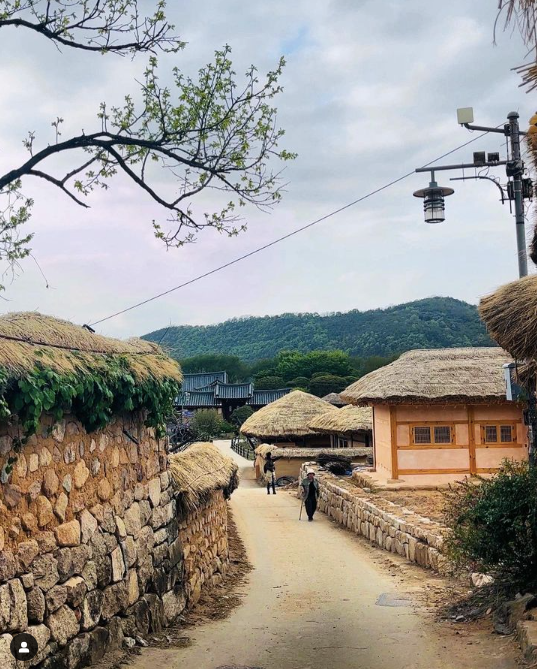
(430, 323)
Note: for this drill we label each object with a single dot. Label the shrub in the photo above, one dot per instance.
(327, 383)
(269, 383)
(494, 524)
(241, 414)
(300, 382)
(207, 424)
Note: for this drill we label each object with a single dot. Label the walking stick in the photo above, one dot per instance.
(301, 505)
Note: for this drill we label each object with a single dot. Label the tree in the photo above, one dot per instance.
(327, 383)
(269, 383)
(236, 369)
(240, 415)
(209, 133)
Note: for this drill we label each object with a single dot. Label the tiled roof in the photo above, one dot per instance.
(262, 397)
(194, 399)
(233, 391)
(201, 380)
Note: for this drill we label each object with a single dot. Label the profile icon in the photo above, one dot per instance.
(24, 647)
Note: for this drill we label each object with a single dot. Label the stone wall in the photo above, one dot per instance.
(204, 537)
(388, 525)
(91, 549)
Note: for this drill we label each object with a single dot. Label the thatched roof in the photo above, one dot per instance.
(199, 471)
(287, 417)
(435, 376)
(28, 340)
(348, 420)
(335, 399)
(293, 452)
(510, 315)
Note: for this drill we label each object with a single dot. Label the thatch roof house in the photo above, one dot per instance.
(335, 399)
(200, 471)
(509, 314)
(439, 414)
(348, 427)
(287, 420)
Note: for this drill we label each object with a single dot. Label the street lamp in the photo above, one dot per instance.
(433, 201)
(518, 188)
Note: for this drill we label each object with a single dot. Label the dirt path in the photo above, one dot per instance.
(311, 603)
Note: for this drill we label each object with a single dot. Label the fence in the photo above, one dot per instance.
(243, 448)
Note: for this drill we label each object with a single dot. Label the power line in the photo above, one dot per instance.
(287, 236)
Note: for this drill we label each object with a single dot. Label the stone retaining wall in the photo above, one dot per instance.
(91, 547)
(388, 525)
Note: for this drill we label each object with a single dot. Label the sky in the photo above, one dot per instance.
(371, 91)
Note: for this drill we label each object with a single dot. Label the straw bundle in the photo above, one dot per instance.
(435, 376)
(510, 315)
(30, 340)
(287, 417)
(293, 452)
(199, 471)
(348, 420)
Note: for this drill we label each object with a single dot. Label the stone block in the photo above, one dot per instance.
(68, 534)
(65, 563)
(115, 599)
(173, 604)
(45, 513)
(527, 636)
(76, 591)
(55, 597)
(89, 574)
(27, 581)
(36, 605)
(45, 570)
(60, 508)
(80, 474)
(133, 520)
(41, 634)
(7, 661)
(156, 611)
(8, 566)
(154, 491)
(12, 495)
(104, 490)
(13, 607)
(63, 625)
(115, 635)
(78, 652)
(88, 526)
(33, 462)
(130, 551)
(58, 431)
(91, 609)
(118, 565)
(29, 522)
(80, 556)
(67, 483)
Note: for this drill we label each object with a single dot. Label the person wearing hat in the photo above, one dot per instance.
(310, 493)
(269, 471)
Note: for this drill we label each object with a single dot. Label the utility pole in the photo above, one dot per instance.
(518, 188)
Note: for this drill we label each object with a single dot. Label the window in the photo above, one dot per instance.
(439, 434)
(442, 435)
(342, 443)
(422, 435)
(499, 434)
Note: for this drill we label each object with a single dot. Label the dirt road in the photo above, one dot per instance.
(312, 602)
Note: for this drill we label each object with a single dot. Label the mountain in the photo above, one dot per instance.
(434, 322)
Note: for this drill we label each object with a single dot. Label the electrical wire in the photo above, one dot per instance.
(281, 239)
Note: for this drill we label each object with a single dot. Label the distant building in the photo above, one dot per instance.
(213, 391)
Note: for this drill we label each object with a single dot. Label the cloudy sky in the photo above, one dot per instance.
(371, 92)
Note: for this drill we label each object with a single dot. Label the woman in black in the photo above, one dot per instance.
(310, 493)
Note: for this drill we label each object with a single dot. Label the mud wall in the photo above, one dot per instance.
(92, 549)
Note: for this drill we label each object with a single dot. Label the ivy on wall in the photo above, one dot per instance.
(93, 397)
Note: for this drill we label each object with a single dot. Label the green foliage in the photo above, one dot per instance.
(269, 383)
(93, 398)
(236, 369)
(301, 382)
(431, 323)
(208, 424)
(290, 364)
(240, 415)
(494, 524)
(327, 383)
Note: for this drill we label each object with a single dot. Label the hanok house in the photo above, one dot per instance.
(213, 391)
(439, 414)
(284, 426)
(349, 427)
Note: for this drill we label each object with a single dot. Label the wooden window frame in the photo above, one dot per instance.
(432, 444)
(498, 425)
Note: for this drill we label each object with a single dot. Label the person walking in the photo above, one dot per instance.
(269, 471)
(310, 493)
